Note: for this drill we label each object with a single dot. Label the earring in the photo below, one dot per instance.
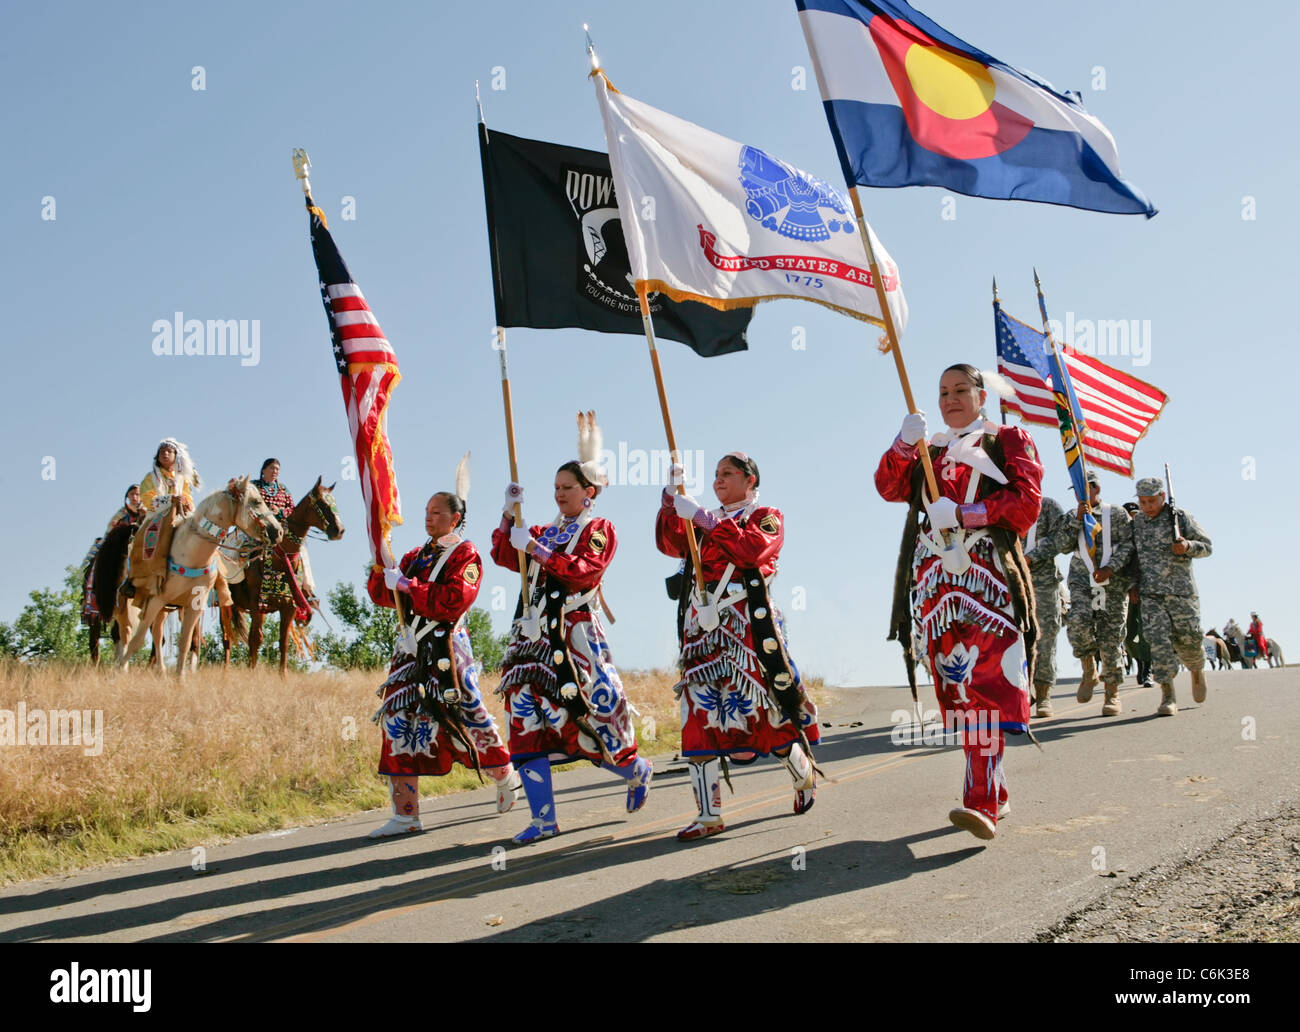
(586, 503)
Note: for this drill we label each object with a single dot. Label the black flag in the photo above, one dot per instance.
(558, 255)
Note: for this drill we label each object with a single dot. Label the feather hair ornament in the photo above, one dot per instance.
(590, 445)
(998, 384)
(462, 478)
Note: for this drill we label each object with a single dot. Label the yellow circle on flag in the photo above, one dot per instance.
(952, 86)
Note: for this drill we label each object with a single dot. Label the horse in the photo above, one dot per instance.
(1217, 651)
(1275, 654)
(191, 561)
(316, 509)
(105, 579)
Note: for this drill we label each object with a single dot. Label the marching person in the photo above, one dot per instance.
(974, 595)
(1098, 616)
(433, 714)
(1171, 611)
(740, 691)
(1041, 547)
(563, 696)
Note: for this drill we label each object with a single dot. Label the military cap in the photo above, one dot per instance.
(1149, 487)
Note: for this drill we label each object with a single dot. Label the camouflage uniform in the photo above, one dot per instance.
(1171, 613)
(1098, 614)
(1042, 546)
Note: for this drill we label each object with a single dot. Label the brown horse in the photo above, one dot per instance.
(316, 509)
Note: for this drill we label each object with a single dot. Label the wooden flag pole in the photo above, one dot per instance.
(892, 333)
(526, 611)
(648, 323)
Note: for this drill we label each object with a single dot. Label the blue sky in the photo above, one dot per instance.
(167, 198)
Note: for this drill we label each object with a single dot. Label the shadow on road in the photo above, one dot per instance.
(732, 892)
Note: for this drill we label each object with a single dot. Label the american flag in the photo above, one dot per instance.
(368, 373)
(1117, 408)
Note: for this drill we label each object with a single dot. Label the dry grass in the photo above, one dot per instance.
(222, 754)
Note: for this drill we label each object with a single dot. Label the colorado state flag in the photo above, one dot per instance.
(910, 104)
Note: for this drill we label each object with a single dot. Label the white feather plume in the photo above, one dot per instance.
(998, 384)
(462, 478)
(591, 443)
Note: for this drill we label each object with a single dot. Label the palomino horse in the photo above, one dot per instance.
(317, 509)
(109, 568)
(191, 562)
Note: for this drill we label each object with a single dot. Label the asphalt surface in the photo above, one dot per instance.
(876, 859)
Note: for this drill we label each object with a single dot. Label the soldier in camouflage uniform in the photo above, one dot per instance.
(1098, 614)
(1042, 546)
(1171, 614)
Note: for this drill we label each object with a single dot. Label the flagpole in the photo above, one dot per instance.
(302, 170)
(526, 611)
(692, 545)
(648, 323)
(892, 333)
(1065, 381)
(1002, 402)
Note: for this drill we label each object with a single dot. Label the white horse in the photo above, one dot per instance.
(191, 561)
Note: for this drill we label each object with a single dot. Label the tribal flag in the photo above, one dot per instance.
(732, 225)
(558, 252)
(910, 104)
(368, 373)
(1116, 409)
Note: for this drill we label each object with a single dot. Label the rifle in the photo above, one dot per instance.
(1169, 497)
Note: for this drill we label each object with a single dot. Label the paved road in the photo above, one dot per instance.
(875, 860)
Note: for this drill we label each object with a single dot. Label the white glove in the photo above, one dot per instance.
(514, 493)
(391, 576)
(943, 514)
(913, 429)
(520, 538)
(686, 506)
(676, 475)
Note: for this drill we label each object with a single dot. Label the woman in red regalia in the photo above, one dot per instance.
(962, 578)
(740, 691)
(433, 715)
(564, 699)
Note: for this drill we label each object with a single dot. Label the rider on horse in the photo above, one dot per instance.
(169, 485)
(130, 514)
(276, 589)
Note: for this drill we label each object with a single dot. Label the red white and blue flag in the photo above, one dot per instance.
(1117, 408)
(910, 104)
(368, 373)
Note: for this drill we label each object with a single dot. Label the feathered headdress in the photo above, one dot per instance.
(183, 466)
(590, 445)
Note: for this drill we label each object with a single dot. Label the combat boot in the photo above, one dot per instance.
(1198, 685)
(1168, 707)
(1089, 681)
(1043, 699)
(1111, 706)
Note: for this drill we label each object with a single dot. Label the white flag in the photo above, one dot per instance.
(709, 219)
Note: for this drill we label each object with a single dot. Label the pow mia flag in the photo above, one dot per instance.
(558, 254)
